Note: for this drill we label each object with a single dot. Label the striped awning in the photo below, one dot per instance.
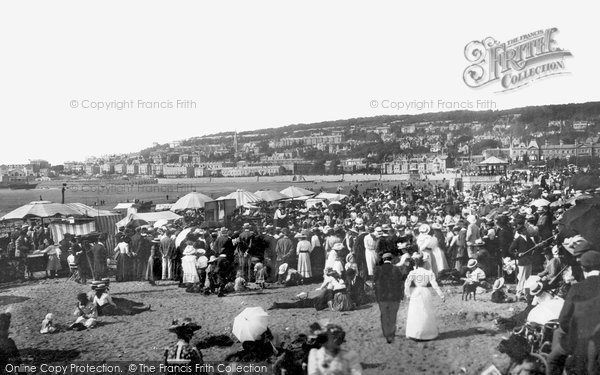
(59, 230)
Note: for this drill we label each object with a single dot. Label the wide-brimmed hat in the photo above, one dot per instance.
(97, 284)
(338, 247)
(300, 235)
(424, 228)
(479, 242)
(283, 268)
(387, 256)
(436, 226)
(537, 289)
(499, 283)
(472, 263)
(185, 324)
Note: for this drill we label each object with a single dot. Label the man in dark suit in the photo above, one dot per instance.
(389, 291)
(144, 255)
(100, 255)
(359, 251)
(521, 251)
(223, 270)
(578, 318)
(270, 255)
(134, 248)
(220, 241)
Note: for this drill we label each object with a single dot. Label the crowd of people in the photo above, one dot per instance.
(383, 244)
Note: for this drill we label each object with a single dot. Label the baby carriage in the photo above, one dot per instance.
(532, 341)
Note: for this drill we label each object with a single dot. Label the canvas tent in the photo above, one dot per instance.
(59, 230)
(332, 197)
(148, 217)
(242, 197)
(105, 221)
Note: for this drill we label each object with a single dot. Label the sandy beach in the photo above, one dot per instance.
(467, 343)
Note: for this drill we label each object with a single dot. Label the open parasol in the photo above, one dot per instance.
(161, 223)
(191, 201)
(182, 236)
(241, 197)
(41, 209)
(540, 202)
(270, 195)
(296, 192)
(250, 324)
(584, 219)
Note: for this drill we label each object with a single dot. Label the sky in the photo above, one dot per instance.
(253, 64)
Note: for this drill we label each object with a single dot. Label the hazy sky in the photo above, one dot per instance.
(253, 64)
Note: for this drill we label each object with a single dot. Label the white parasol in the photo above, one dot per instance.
(250, 324)
(191, 201)
(241, 197)
(182, 236)
(541, 202)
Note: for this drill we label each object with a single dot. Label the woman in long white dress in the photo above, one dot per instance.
(188, 263)
(421, 322)
(429, 244)
(303, 250)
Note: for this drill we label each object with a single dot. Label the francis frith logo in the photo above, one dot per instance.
(515, 63)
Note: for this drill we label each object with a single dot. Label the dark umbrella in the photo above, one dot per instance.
(584, 219)
(585, 181)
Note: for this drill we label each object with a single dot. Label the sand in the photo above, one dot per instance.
(461, 347)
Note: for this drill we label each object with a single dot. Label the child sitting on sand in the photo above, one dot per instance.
(259, 275)
(85, 312)
(239, 285)
(48, 324)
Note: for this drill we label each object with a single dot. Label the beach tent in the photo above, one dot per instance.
(270, 195)
(105, 221)
(191, 201)
(241, 197)
(163, 206)
(332, 197)
(296, 192)
(123, 206)
(40, 209)
(59, 230)
(89, 211)
(148, 217)
(311, 202)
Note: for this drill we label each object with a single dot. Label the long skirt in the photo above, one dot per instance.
(304, 268)
(190, 274)
(53, 263)
(421, 322)
(371, 258)
(317, 261)
(152, 269)
(124, 268)
(438, 261)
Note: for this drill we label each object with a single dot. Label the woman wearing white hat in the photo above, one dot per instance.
(429, 244)
(473, 235)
